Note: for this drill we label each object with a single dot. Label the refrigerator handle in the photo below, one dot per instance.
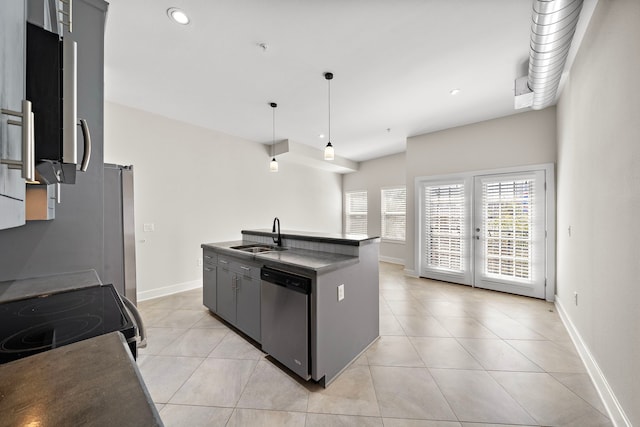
(86, 135)
(138, 319)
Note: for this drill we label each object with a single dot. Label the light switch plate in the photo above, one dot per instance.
(340, 292)
(149, 226)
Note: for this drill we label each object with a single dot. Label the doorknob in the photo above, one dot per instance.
(477, 230)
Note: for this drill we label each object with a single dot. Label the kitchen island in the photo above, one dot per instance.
(343, 300)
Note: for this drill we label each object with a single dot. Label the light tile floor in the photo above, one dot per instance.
(448, 355)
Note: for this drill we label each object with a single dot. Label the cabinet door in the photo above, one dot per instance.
(226, 294)
(209, 287)
(248, 305)
(12, 73)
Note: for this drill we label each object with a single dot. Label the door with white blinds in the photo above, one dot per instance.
(488, 230)
(510, 233)
(445, 249)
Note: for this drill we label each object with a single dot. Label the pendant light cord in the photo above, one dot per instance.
(329, 86)
(273, 139)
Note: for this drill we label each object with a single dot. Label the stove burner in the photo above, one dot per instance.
(32, 325)
(50, 334)
(44, 306)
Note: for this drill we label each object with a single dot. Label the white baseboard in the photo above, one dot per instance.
(391, 260)
(169, 290)
(614, 409)
(411, 273)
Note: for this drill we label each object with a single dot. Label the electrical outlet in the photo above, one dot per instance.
(199, 260)
(575, 297)
(341, 292)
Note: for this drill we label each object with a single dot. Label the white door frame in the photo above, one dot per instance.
(550, 217)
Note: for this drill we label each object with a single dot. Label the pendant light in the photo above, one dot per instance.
(273, 166)
(329, 153)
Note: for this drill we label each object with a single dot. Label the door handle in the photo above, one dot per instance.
(27, 164)
(86, 135)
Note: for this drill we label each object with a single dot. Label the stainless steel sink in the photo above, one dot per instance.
(258, 248)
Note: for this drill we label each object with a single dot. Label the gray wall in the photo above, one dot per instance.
(73, 241)
(522, 139)
(598, 191)
(373, 175)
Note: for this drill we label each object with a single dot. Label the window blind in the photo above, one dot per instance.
(444, 208)
(394, 213)
(356, 212)
(508, 227)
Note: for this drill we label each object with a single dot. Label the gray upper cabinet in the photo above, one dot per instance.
(74, 241)
(12, 92)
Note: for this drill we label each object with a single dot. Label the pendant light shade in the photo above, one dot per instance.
(329, 153)
(273, 165)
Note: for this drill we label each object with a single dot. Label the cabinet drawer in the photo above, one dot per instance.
(209, 258)
(239, 266)
(246, 269)
(224, 262)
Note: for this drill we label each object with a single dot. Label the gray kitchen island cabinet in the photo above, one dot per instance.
(238, 294)
(209, 280)
(340, 309)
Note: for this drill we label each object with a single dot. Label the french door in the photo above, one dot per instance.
(487, 230)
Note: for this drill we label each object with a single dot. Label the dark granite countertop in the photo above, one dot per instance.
(319, 262)
(337, 238)
(25, 288)
(94, 382)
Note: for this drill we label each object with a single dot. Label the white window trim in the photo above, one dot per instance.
(385, 239)
(346, 208)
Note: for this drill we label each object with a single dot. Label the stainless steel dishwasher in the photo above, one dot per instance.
(285, 319)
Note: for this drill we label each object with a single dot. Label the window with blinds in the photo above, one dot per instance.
(508, 217)
(356, 212)
(394, 213)
(444, 213)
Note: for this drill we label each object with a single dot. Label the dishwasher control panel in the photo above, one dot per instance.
(288, 280)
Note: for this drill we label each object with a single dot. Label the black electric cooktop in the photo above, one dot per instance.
(33, 325)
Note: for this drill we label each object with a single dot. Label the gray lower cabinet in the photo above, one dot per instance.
(238, 294)
(226, 301)
(12, 92)
(209, 280)
(248, 305)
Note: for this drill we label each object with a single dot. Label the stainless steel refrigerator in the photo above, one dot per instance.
(119, 230)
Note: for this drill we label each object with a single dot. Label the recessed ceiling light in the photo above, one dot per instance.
(454, 91)
(321, 136)
(178, 15)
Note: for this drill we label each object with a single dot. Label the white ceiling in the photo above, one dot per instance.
(394, 61)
